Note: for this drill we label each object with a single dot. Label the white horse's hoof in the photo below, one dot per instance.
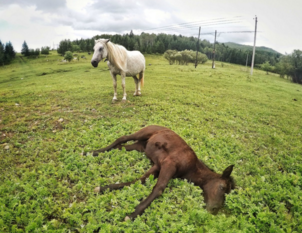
(127, 218)
(97, 189)
(124, 100)
(136, 94)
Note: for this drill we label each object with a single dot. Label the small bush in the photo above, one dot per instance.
(68, 56)
(184, 57)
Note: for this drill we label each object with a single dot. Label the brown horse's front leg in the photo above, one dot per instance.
(152, 171)
(166, 173)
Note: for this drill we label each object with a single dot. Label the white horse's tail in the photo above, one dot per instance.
(142, 78)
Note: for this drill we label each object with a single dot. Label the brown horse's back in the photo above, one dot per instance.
(166, 146)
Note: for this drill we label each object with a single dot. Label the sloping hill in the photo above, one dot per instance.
(248, 47)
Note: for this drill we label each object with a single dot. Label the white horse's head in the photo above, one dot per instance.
(100, 51)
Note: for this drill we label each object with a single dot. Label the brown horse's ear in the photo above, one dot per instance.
(227, 172)
(107, 41)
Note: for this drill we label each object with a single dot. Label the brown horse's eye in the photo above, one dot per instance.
(221, 188)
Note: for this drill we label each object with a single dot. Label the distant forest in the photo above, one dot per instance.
(159, 43)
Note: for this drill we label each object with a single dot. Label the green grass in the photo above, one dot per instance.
(225, 115)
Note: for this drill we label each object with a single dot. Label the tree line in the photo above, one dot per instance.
(27, 52)
(159, 43)
(7, 53)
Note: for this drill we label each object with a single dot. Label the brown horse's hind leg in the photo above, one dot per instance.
(116, 144)
(154, 170)
(138, 146)
(141, 135)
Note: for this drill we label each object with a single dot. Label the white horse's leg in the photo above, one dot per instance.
(114, 86)
(139, 88)
(136, 85)
(123, 76)
(141, 76)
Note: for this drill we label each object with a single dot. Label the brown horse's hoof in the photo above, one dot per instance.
(127, 219)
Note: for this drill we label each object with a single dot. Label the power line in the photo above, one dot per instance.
(212, 33)
(194, 27)
(189, 26)
(196, 23)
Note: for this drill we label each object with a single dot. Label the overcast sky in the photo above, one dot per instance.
(47, 22)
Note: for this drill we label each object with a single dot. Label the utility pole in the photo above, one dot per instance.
(213, 63)
(247, 58)
(253, 57)
(197, 47)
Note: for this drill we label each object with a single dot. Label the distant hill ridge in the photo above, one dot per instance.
(248, 47)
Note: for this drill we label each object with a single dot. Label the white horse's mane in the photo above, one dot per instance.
(117, 55)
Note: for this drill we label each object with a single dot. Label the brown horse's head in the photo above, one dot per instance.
(215, 189)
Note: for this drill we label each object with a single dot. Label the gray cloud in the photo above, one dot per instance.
(112, 16)
(121, 16)
(43, 5)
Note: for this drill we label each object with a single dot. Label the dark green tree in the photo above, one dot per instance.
(76, 48)
(25, 49)
(64, 46)
(9, 52)
(1, 53)
(37, 52)
(291, 66)
(45, 50)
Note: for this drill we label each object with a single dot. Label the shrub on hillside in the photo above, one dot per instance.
(291, 66)
(266, 66)
(184, 57)
(68, 56)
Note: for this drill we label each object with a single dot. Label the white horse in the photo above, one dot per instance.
(120, 61)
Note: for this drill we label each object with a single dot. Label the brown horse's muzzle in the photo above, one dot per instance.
(212, 209)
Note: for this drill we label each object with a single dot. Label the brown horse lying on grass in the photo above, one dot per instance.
(172, 158)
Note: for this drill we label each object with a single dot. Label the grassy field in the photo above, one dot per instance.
(51, 111)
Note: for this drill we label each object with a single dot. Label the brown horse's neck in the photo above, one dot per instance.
(203, 174)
